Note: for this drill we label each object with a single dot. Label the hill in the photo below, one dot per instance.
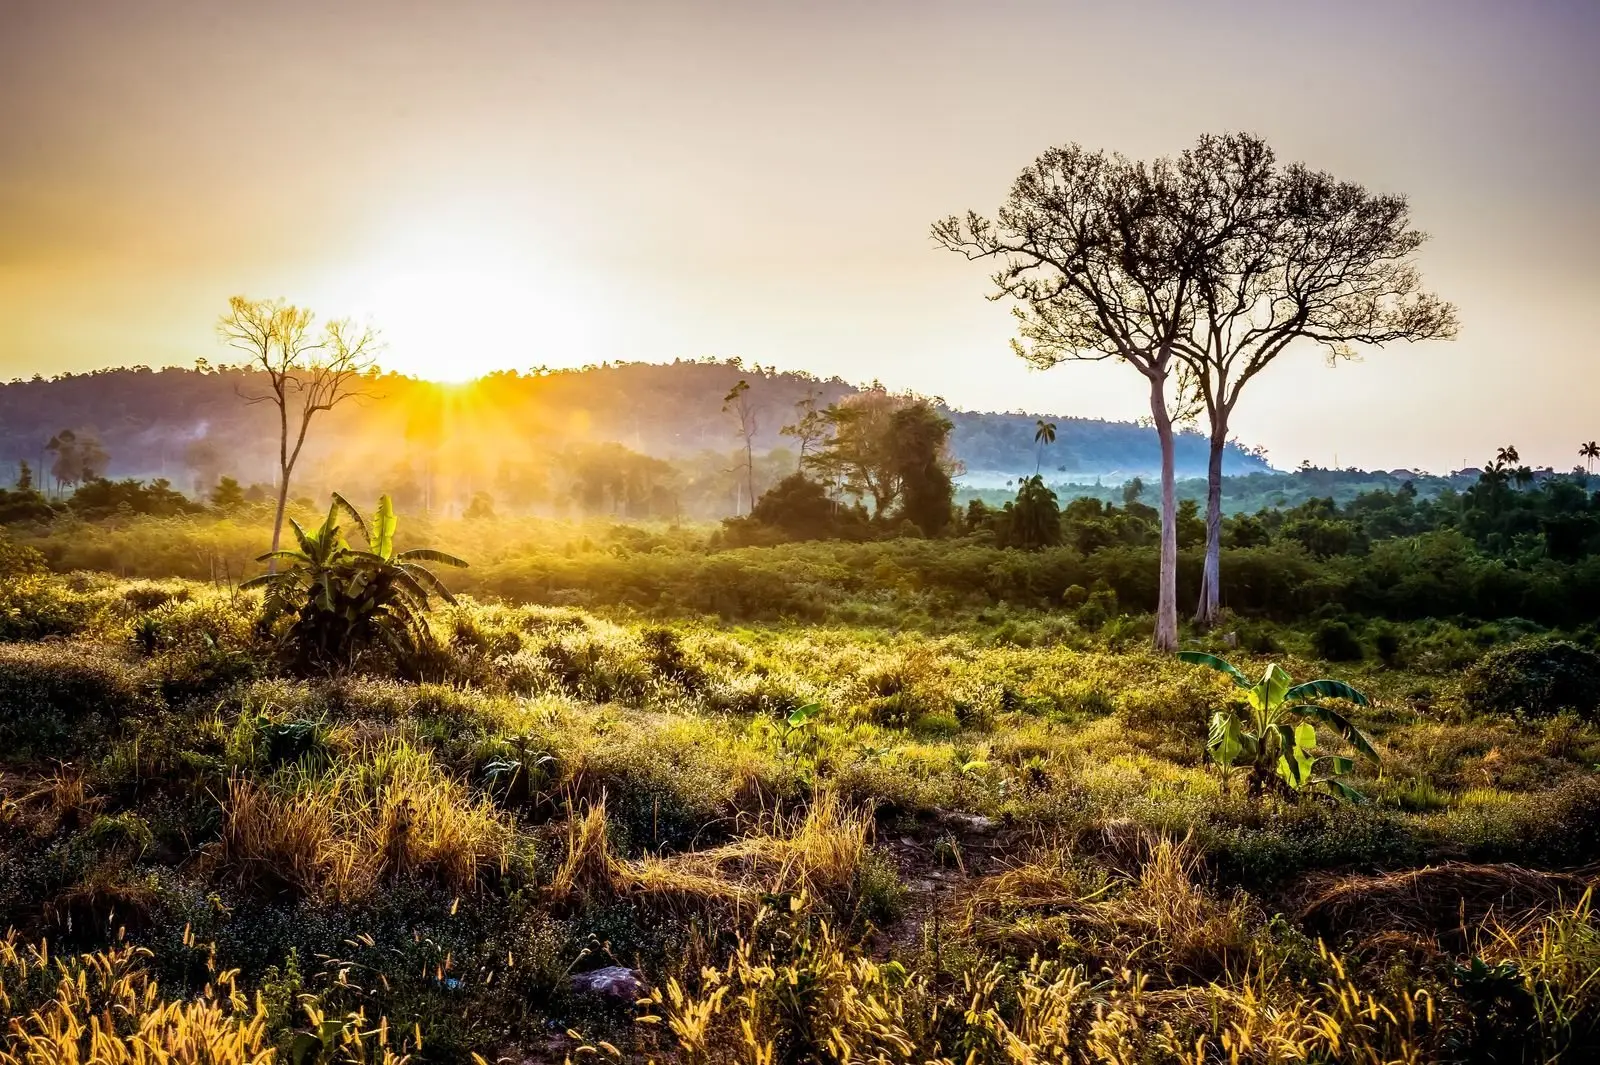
(191, 425)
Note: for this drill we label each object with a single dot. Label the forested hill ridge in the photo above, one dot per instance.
(189, 425)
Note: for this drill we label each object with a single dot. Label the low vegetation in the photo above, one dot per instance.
(226, 835)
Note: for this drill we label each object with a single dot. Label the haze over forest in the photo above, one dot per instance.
(503, 185)
(523, 438)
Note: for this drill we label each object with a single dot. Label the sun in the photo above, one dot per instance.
(456, 302)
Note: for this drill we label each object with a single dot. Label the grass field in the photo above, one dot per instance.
(819, 841)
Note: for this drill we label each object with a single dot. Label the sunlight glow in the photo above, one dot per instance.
(455, 301)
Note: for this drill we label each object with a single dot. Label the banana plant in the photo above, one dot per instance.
(1274, 731)
(345, 600)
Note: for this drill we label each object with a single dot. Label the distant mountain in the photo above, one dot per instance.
(190, 425)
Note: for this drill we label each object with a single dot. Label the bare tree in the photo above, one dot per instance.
(1101, 254)
(1289, 255)
(737, 403)
(307, 372)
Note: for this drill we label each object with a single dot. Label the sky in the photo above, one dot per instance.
(520, 183)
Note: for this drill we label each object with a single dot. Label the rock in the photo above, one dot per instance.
(615, 982)
(977, 824)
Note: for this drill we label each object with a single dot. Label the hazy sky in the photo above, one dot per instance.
(520, 183)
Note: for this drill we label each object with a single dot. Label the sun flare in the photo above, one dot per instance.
(455, 303)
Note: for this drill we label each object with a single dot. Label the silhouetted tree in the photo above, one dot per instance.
(1282, 255)
(306, 373)
(79, 457)
(737, 403)
(1102, 255)
(858, 453)
(227, 496)
(1033, 519)
(1044, 433)
(917, 438)
(809, 429)
(799, 507)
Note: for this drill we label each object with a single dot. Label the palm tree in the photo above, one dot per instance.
(1589, 452)
(1507, 456)
(1044, 433)
(1495, 476)
(1523, 476)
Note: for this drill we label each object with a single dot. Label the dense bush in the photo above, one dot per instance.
(1538, 677)
(1335, 641)
(57, 697)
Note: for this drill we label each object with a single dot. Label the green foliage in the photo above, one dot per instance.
(390, 845)
(1536, 677)
(341, 603)
(19, 560)
(56, 698)
(799, 508)
(228, 495)
(1274, 731)
(1333, 640)
(1031, 521)
(919, 436)
(24, 505)
(892, 450)
(99, 498)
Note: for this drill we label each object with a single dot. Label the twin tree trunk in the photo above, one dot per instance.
(1210, 607)
(1166, 636)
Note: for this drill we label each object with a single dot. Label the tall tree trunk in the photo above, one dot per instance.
(1166, 635)
(750, 471)
(1210, 607)
(283, 475)
(277, 519)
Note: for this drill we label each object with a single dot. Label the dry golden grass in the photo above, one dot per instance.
(392, 814)
(1451, 903)
(589, 870)
(105, 1010)
(814, 854)
(1160, 919)
(828, 1002)
(44, 805)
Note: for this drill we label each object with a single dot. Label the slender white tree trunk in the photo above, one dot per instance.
(1210, 606)
(1166, 635)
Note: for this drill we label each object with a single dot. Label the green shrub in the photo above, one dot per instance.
(19, 560)
(1334, 641)
(1540, 677)
(1388, 646)
(55, 698)
(36, 606)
